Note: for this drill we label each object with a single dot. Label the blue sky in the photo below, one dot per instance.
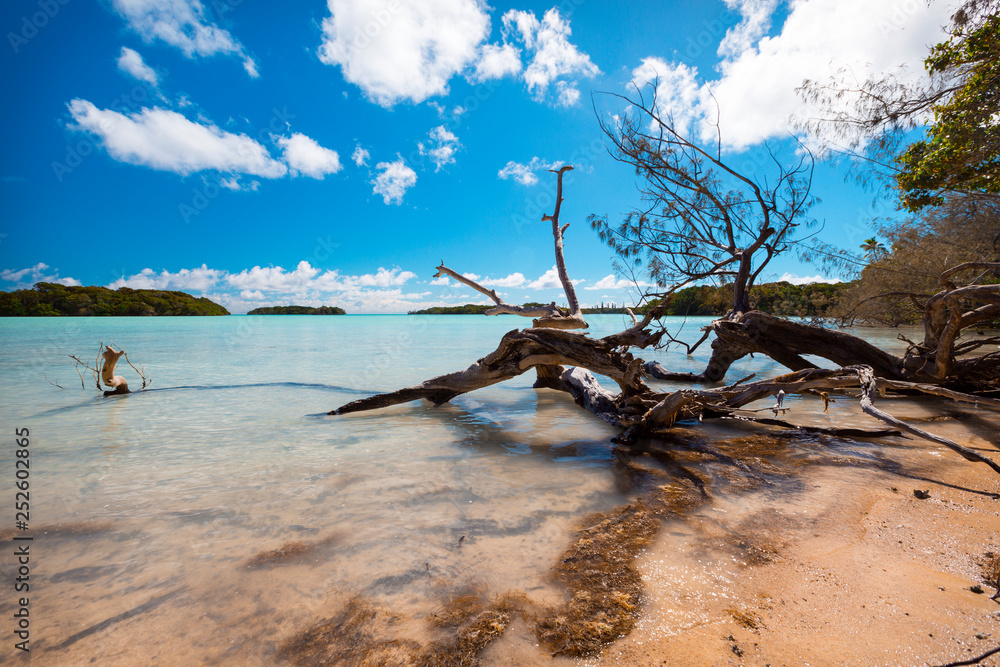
(334, 153)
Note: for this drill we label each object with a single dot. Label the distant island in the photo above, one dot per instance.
(467, 309)
(52, 299)
(476, 309)
(780, 298)
(298, 310)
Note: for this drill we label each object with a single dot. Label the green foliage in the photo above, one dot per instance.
(896, 284)
(815, 300)
(783, 299)
(50, 299)
(298, 310)
(962, 150)
(467, 309)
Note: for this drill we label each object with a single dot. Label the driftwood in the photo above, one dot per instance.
(550, 316)
(103, 370)
(651, 421)
(567, 361)
(643, 413)
(116, 382)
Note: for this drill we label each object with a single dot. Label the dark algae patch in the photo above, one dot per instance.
(283, 553)
(290, 551)
(474, 622)
(599, 571)
(359, 634)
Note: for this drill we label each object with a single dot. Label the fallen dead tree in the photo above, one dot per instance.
(567, 361)
(598, 569)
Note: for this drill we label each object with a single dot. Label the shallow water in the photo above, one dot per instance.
(147, 510)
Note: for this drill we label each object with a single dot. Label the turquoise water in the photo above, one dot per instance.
(148, 509)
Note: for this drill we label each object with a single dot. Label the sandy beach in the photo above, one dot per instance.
(856, 571)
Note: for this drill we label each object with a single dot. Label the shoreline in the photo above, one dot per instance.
(857, 570)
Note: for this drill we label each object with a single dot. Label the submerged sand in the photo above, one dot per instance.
(833, 561)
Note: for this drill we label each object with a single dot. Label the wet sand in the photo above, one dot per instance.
(854, 570)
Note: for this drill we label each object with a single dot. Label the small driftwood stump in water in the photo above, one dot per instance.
(116, 382)
(104, 370)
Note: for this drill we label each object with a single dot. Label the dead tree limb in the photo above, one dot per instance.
(869, 387)
(518, 352)
(502, 307)
(550, 316)
(575, 314)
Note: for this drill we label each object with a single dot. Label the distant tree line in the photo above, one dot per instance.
(782, 298)
(51, 299)
(298, 310)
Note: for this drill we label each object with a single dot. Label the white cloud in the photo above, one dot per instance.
(513, 280)
(756, 81)
(166, 140)
(306, 285)
(251, 68)
(443, 280)
(471, 276)
(402, 51)
(26, 278)
(131, 63)
(679, 95)
(396, 178)
(445, 146)
(497, 61)
(755, 23)
(381, 278)
(610, 282)
(199, 279)
(236, 185)
(183, 24)
(553, 56)
(274, 278)
(305, 156)
(549, 280)
(360, 156)
(525, 173)
(567, 95)
(806, 280)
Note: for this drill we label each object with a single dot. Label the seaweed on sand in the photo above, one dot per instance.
(358, 634)
(599, 571)
(288, 552)
(475, 622)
